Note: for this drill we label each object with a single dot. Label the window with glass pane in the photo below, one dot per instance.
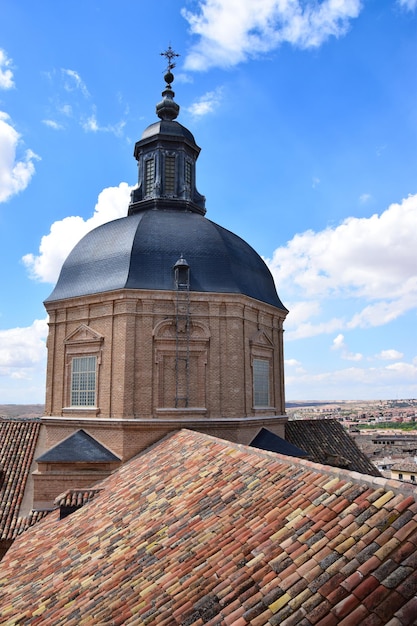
(83, 381)
(170, 175)
(188, 173)
(149, 176)
(260, 382)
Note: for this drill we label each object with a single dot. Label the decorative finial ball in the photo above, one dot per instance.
(169, 77)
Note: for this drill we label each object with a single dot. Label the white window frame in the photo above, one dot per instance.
(84, 381)
(261, 369)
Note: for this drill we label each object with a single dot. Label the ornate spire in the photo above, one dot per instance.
(167, 109)
(166, 156)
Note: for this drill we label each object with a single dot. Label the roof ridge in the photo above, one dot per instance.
(387, 484)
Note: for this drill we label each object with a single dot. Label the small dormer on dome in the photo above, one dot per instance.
(182, 275)
(166, 156)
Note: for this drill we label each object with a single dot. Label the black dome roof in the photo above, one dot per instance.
(169, 128)
(139, 252)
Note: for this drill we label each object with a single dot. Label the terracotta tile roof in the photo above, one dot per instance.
(197, 531)
(405, 466)
(76, 497)
(18, 440)
(23, 523)
(327, 442)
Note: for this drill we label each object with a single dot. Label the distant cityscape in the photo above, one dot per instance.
(385, 430)
(363, 412)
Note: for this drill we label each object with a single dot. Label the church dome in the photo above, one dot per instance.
(166, 220)
(140, 251)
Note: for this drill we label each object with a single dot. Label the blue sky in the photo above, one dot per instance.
(306, 113)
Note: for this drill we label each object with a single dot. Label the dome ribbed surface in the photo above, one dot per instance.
(168, 128)
(140, 251)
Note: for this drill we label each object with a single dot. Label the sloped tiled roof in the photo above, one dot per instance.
(18, 440)
(76, 497)
(405, 466)
(327, 442)
(23, 523)
(197, 531)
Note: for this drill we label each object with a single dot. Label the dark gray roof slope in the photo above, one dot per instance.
(139, 252)
(78, 447)
(265, 440)
(169, 128)
(327, 442)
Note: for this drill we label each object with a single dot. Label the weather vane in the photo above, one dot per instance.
(169, 55)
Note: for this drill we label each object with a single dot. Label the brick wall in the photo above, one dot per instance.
(141, 346)
(135, 336)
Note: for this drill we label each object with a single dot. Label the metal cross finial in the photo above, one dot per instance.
(169, 55)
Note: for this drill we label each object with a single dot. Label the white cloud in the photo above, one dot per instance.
(389, 355)
(71, 102)
(65, 109)
(53, 124)
(231, 31)
(410, 5)
(316, 182)
(298, 324)
(368, 261)
(22, 348)
(112, 203)
(383, 312)
(73, 82)
(23, 363)
(292, 362)
(407, 370)
(182, 77)
(301, 311)
(90, 124)
(395, 380)
(309, 329)
(6, 74)
(206, 103)
(15, 172)
(364, 198)
(339, 344)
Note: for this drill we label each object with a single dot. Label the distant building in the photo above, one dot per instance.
(405, 471)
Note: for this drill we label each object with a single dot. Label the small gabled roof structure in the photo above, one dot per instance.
(197, 530)
(327, 442)
(78, 447)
